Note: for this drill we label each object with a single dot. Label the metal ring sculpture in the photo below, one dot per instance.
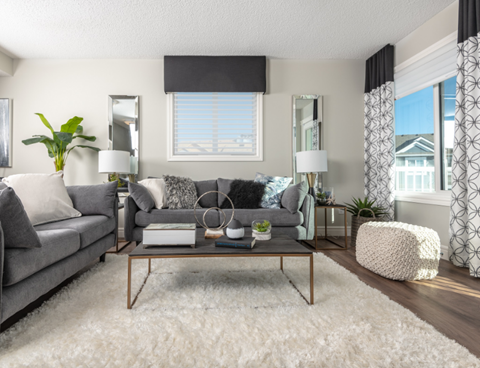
(223, 225)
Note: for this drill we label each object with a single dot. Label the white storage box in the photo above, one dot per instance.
(169, 234)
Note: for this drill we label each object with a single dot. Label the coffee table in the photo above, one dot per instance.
(279, 246)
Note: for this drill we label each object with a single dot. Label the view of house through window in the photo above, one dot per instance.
(447, 116)
(415, 123)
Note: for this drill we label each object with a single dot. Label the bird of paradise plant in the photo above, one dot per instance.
(57, 146)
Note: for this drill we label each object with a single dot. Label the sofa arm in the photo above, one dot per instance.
(2, 246)
(308, 210)
(129, 212)
(98, 199)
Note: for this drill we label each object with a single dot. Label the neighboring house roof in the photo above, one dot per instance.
(414, 144)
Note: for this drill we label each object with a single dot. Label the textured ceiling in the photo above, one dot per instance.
(292, 29)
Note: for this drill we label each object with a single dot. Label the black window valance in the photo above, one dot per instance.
(215, 74)
(379, 69)
(468, 19)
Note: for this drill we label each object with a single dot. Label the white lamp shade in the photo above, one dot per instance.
(312, 161)
(114, 162)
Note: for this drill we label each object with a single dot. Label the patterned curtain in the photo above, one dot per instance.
(464, 248)
(379, 131)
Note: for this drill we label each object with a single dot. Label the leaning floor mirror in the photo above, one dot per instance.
(123, 129)
(5, 133)
(307, 127)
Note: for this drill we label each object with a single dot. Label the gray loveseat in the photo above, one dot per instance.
(67, 247)
(298, 225)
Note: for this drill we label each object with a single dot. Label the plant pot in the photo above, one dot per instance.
(262, 236)
(358, 221)
(262, 225)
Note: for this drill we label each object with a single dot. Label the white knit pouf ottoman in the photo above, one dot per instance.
(398, 251)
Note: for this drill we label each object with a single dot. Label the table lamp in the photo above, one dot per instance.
(311, 163)
(114, 162)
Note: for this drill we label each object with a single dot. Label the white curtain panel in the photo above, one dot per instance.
(380, 148)
(464, 248)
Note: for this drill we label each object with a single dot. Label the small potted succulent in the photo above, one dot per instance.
(321, 198)
(261, 230)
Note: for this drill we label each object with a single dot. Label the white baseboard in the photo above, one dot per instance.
(333, 230)
(444, 250)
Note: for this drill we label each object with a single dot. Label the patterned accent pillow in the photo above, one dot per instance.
(181, 192)
(274, 187)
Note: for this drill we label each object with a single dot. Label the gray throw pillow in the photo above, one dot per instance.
(224, 186)
(181, 192)
(293, 197)
(209, 200)
(18, 231)
(94, 199)
(141, 196)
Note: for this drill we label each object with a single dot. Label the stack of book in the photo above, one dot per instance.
(169, 234)
(244, 243)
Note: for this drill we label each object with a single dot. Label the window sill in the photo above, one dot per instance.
(442, 198)
(215, 158)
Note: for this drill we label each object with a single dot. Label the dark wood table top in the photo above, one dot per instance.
(278, 245)
(330, 206)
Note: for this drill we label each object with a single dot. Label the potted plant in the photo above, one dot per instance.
(57, 146)
(363, 211)
(261, 230)
(321, 198)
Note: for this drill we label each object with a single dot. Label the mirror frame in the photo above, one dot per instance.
(111, 98)
(318, 100)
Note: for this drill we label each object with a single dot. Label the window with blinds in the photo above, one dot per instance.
(215, 126)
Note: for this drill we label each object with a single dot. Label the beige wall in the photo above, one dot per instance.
(6, 65)
(432, 31)
(61, 89)
(440, 26)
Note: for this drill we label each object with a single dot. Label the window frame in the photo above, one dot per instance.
(171, 156)
(439, 197)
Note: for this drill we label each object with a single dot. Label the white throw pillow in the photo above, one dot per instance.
(156, 188)
(44, 197)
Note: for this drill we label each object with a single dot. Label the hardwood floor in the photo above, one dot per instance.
(450, 302)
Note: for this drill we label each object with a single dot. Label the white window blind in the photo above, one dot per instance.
(430, 67)
(215, 124)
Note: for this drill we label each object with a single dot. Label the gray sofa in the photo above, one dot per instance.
(66, 247)
(298, 225)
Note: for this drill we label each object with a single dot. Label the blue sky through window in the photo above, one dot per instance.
(414, 113)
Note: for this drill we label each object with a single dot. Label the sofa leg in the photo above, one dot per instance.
(102, 257)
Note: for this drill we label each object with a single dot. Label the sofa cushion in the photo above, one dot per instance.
(204, 186)
(293, 197)
(181, 192)
(90, 228)
(245, 194)
(56, 245)
(277, 217)
(156, 188)
(18, 231)
(94, 199)
(44, 197)
(167, 216)
(274, 187)
(224, 187)
(142, 197)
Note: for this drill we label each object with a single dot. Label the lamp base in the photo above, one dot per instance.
(311, 183)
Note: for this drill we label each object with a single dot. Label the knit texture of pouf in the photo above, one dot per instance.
(398, 251)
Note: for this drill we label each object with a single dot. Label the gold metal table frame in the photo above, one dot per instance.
(315, 239)
(130, 303)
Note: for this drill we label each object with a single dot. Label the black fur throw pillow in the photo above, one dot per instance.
(244, 194)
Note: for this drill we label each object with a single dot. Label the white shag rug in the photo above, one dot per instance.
(225, 313)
